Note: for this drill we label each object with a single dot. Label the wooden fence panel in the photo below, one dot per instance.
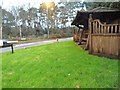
(104, 38)
(105, 44)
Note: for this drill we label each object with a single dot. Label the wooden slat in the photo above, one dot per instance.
(111, 29)
(108, 27)
(87, 43)
(80, 38)
(93, 27)
(96, 29)
(105, 28)
(116, 28)
(101, 28)
(119, 29)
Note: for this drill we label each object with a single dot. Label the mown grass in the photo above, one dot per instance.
(58, 65)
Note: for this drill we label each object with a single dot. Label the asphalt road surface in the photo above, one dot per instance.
(26, 45)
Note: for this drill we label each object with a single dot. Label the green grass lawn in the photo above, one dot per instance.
(58, 65)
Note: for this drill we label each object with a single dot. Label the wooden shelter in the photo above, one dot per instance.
(99, 31)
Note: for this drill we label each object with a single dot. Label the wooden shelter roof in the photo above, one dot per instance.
(101, 13)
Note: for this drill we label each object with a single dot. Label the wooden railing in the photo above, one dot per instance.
(104, 39)
(98, 28)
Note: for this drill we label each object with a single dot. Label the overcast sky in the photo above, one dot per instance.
(35, 3)
(7, 4)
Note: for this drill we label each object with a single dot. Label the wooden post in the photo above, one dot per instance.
(90, 32)
(12, 48)
(80, 38)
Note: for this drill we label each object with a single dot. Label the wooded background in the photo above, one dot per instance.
(25, 22)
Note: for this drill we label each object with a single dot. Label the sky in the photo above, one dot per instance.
(7, 4)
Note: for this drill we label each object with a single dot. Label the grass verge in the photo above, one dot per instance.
(58, 65)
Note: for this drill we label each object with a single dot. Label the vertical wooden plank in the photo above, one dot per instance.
(116, 28)
(111, 29)
(100, 42)
(112, 44)
(81, 34)
(105, 27)
(108, 29)
(99, 29)
(107, 44)
(93, 27)
(111, 41)
(96, 27)
(104, 46)
(115, 46)
(119, 29)
(104, 43)
(78, 35)
(118, 45)
(87, 44)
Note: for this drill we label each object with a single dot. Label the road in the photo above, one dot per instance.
(26, 45)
